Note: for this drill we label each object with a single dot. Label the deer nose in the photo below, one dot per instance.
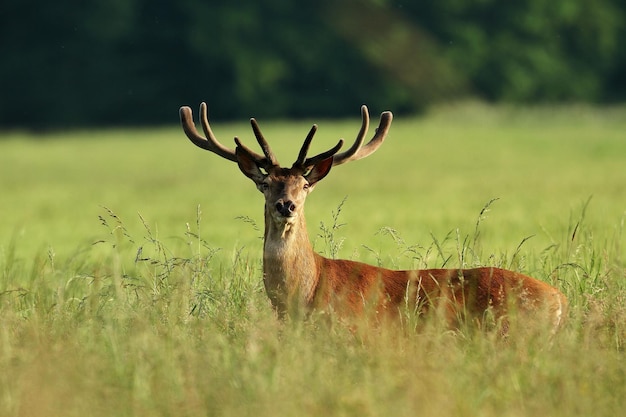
(285, 208)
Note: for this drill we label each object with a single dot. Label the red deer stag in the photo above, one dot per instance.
(299, 280)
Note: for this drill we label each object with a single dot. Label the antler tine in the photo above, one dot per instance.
(260, 161)
(305, 146)
(356, 151)
(305, 162)
(267, 151)
(209, 143)
(365, 122)
(317, 158)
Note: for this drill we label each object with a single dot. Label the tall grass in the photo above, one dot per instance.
(164, 312)
(149, 331)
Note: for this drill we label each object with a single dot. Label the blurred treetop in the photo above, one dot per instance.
(134, 62)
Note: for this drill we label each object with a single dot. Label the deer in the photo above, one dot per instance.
(299, 281)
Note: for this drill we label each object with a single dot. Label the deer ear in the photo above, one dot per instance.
(248, 166)
(319, 171)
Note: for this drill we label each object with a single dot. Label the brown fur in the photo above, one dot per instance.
(457, 293)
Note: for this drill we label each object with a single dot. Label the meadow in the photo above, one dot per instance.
(130, 269)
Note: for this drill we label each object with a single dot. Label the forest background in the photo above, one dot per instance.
(72, 63)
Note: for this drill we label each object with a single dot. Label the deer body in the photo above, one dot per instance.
(298, 280)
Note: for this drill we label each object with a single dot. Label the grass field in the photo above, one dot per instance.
(130, 266)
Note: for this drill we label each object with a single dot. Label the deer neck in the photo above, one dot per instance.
(289, 263)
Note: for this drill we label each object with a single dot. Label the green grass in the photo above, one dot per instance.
(130, 280)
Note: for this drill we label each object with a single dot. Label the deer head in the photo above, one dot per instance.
(285, 189)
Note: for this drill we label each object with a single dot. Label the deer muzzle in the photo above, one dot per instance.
(285, 208)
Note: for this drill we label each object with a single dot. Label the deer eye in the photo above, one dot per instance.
(264, 187)
(306, 186)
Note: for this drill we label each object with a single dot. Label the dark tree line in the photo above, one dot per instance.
(129, 62)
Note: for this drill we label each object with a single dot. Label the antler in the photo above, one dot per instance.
(262, 143)
(356, 151)
(305, 162)
(210, 142)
